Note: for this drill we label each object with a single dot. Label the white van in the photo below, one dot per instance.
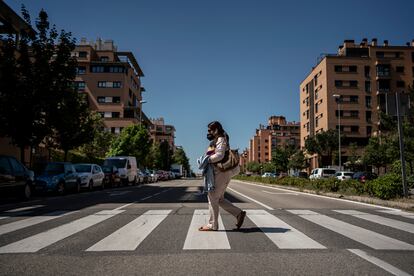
(127, 167)
(319, 173)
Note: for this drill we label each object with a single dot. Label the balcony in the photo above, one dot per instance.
(383, 75)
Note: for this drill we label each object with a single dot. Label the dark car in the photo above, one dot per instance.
(111, 176)
(364, 176)
(14, 176)
(58, 177)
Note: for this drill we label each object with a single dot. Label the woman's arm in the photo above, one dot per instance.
(221, 147)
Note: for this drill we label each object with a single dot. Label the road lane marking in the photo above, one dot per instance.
(131, 235)
(400, 225)
(398, 213)
(251, 199)
(203, 239)
(19, 211)
(24, 209)
(380, 263)
(44, 239)
(20, 224)
(119, 193)
(272, 193)
(361, 235)
(281, 233)
(320, 196)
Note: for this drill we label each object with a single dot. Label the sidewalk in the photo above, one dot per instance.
(402, 203)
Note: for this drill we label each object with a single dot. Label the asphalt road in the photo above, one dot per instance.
(152, 230)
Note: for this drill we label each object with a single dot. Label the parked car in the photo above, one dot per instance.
(154, 176)
(301, 174)
(140, 177)
(319, 173)
(148, 175)
(364, 176)
(58, 177)
(268, 174)
(112, 178)
(15, 177)
(91, 176)
(127, 168)
(344, 175)
(162, 175)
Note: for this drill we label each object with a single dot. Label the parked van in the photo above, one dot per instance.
(319, 173)
(127, 168)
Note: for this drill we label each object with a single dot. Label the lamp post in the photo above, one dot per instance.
(338, 101)
(140, 111)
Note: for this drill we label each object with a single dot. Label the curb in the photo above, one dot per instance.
(363, 199)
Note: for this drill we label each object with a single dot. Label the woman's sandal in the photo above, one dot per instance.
(206, 228)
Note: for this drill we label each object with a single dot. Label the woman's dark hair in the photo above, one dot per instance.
(216, 125)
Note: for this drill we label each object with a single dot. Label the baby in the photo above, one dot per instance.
(211, 149)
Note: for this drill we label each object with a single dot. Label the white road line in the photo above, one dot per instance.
(380, 263)
(20, 224)
(132, 234)
(400, 225)
(361, 235)
(205, 240)
(126, 205)
(44, 239)
(24, 209)
(398, 213)
(281, 233)
(272, 193)
(119, 193)
(251, 199)
(320, 196)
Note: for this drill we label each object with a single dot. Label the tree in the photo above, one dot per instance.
(179, 157)
(165, 156)
(269, 167)
(132, 141)
(297, 161)
(153, 159)
(376, 153)
(280, 158)
(253, 167)
(324, 144)
(354, 157)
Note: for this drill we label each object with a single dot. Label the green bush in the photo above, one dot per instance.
(387, 186)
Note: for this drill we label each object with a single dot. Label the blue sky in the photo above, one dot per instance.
(238, 62)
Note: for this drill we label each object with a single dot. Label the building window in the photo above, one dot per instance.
(399, 69)
(307, 114)
(369, 130)
(353, 68)
(97, 69)
(116, 99)
(109, 84)
(367, 86)
(316, 108)
(116, 69)
(400, 84)
(368, 101)
(354, 113)
(341, 112)
(104, 58)
(367, 70)
(368, 115)
(115, 114)
(116, 84)
(338, 83)
(108, 114)
(80, 70)
(83, 54)
(101, 84)
(101, 99)
(80, 85)
(380, 54)
(316, 121)
(353, 99)
(338, 68)
(354, 129)
(383, 70)
(353, 83)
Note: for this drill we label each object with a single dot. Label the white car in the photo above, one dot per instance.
(268, 174)
(319, 173)
(344, 175)
(91, 175)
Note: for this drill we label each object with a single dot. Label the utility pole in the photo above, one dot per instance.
(400, 138)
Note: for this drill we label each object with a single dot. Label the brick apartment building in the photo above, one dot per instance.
(161, 132)
(366, 77)
(278, 133)
(112, 81)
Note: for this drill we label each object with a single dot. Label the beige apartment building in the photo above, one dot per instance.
(112, 81)
(161, 132)
(278, 133)
(366, 77)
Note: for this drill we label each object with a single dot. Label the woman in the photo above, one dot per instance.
(216, 198)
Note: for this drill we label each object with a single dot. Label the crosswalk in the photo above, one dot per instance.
(276, 226)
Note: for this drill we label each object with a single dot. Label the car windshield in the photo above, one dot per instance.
(54, 169)
(107, 169)
(118, 163)
(83, 168)
(329, 171)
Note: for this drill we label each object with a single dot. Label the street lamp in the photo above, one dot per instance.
(338, 101)
(140, 111)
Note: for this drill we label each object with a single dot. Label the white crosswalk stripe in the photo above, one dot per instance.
(404, 226)
(398, 213)
(361, 235)
(281, 233)
(19, 211)
(20, 224)
(44, 239)
(205, 240)
(131, 235)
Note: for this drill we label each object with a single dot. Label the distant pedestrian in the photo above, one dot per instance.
(219, 151)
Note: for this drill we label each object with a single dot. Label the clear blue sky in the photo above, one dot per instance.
(237, 62)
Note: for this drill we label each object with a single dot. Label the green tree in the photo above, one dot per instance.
(179, 157)
(324, 144)
(376, 153)
(280, 157)
(354, 157)
(297, 161)
(269, 167)
(165, 156)
(153, 160)
(253, 167)
(132, 141)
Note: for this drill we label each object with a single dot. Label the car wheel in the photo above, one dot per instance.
(27, 191)
(90, 185)
(61, 188)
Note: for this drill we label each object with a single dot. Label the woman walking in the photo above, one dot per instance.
(216, 198)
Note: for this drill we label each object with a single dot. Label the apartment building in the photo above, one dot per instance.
(160, 132)
(112, 81)
(278, 133)
(354, 85)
